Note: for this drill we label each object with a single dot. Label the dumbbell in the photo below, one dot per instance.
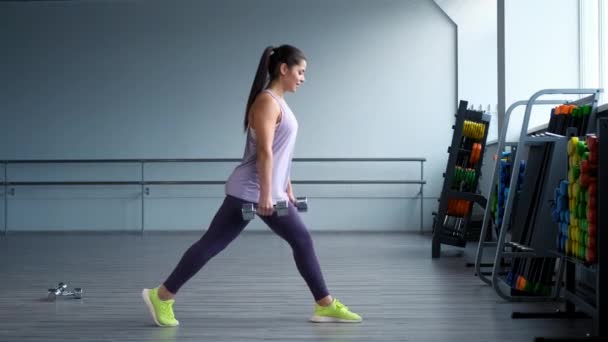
(248, 211)
(61, 290)
(302, 204)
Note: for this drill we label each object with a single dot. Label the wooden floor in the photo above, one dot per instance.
(252, 291)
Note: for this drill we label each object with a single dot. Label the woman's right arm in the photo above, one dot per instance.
(264, 115)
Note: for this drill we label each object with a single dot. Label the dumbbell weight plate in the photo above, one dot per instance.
(281, 208)
(472, 155)
(591, 143)
(248, 211)
(581, 148)
(475, 153)
(302, 204)
(467, 129)
(572, 145)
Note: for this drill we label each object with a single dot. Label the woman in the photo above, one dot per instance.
(261, 178)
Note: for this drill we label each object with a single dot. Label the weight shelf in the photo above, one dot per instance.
(456, 150)
(565, 288)
(568, 258)
(546, 139)
(521, 296)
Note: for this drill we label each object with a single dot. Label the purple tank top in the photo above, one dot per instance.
(244, 182)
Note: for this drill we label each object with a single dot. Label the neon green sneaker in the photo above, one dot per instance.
(161, 310)
(334, 312)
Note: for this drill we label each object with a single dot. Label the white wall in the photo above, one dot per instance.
(476, 27)
(154, 79)
(477, 69)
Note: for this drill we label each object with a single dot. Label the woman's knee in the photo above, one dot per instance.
(302, 241)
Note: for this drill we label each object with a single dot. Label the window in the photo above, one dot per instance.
(593, 41)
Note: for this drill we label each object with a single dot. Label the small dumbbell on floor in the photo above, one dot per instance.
(281, 208)
(62, 291)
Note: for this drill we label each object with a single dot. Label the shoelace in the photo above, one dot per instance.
(165, 308)
(341, 306)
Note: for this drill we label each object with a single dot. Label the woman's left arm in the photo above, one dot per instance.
(290, 195)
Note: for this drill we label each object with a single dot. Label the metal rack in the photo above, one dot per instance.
(538, 247)
(502, 144)
(9, 187)
(444, 230)
(597, 307)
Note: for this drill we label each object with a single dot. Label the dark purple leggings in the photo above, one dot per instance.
(228, 223)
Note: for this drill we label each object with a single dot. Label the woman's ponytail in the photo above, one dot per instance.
(259, 82)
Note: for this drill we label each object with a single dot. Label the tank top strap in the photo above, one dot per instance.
(279, 102)
(274, 96)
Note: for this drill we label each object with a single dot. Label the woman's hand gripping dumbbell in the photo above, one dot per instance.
(281, 208)
(249, 210)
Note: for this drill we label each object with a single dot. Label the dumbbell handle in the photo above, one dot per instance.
(60, 288)
(301, 202)
(274, 206)
(298, 200)
(249, 209)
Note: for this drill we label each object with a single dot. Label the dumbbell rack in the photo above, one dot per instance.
(597, 307)
(531, 215)
(452, 229)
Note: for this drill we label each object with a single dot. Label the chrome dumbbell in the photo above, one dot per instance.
(302, 204)
(62, 291)
(249, 210)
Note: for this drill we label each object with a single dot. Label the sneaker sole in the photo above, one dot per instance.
(325, 319)
(145, 294)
